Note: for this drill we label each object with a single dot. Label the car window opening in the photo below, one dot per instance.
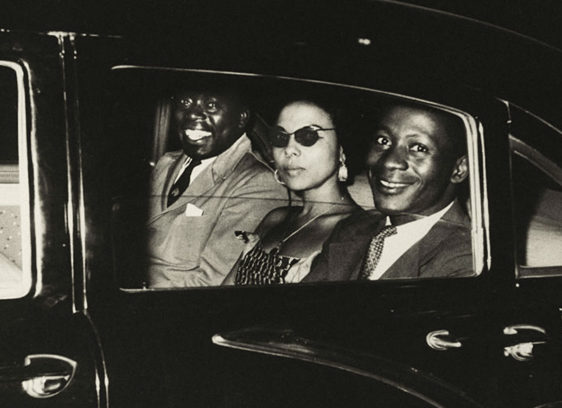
(236, 181)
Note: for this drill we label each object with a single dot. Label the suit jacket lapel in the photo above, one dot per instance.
(197, 188)
(409, 264)
(345, 259)
(169, 180)
(215, 173)
(346, 254)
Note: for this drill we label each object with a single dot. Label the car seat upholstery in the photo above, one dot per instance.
(10, 221)
(542, 235)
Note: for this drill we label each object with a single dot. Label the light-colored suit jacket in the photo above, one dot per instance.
(445, 251)
(192, 242)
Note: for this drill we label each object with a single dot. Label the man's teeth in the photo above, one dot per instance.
(194, 134)
(392, 185)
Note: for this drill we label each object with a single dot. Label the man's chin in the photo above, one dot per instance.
(205, 148)
(394, 206)
(197, 152)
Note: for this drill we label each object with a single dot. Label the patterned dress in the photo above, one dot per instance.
(258, 267)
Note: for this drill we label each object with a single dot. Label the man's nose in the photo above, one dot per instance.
(293, 147)
(395, 158)
(196, 112)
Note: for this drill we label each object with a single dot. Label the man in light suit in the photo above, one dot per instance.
(203, 193)
(417, 157)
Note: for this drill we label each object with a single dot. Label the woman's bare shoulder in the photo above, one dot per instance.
(274, 217)
(330, 220)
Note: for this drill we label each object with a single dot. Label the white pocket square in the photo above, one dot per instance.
(193, 211)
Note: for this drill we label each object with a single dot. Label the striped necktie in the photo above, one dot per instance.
(182, 182)
(375, 250)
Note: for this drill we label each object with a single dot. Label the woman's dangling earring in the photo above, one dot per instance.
(276, 177)
(342, 171)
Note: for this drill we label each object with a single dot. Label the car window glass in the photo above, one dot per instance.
(537, 190)
(240, 212)
(11, 197)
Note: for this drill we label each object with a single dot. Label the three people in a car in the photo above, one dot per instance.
(216, 186)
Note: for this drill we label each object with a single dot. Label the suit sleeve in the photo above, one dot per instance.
(320, 270)
(249, 202)
(319, 267)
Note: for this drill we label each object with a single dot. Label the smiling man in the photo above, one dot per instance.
(203, 193)
(416, 158)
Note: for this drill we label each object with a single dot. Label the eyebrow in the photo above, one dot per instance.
(302, 127)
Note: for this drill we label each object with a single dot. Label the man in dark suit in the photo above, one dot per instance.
(417, 157)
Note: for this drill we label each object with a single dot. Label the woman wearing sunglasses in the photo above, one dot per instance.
(310, 162)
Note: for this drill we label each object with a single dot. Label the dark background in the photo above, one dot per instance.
(540, 19)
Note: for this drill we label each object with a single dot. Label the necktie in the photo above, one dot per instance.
(182, 182)
(375, 250)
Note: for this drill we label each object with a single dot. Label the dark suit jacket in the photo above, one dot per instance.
(445, 251)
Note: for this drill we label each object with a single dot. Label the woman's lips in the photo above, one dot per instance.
(293, 171)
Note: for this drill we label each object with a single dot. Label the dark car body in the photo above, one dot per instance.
(86, 341)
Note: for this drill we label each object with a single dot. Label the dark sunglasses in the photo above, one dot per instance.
(305, 136)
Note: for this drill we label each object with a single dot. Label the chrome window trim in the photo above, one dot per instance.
(26, 283)
(534, 157)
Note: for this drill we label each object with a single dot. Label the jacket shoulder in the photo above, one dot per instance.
(167, 159)
(249, 161)
(250, 170)
(449, 252)
(360, 222)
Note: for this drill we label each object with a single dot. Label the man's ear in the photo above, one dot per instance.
(244, 118)
(460, 171)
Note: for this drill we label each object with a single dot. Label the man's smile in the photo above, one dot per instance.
(391, 187)
(196, 134)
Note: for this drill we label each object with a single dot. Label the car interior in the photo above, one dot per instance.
(142, 128)
(10, 218)
(139, 131)
(537, 188)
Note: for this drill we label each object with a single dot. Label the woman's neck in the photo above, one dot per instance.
(324, 200)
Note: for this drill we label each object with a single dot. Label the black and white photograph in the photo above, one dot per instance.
(281, 203)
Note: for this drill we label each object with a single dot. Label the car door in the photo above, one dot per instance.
(519, 331)
(157, 343)
(48, 351)
(536, 182)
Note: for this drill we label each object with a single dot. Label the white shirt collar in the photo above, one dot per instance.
(197, 169)
(407, 235)
(224, 162)
(423, 220)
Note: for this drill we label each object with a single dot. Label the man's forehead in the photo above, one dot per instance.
(227, 96)
(395, 112)
(442, 121)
